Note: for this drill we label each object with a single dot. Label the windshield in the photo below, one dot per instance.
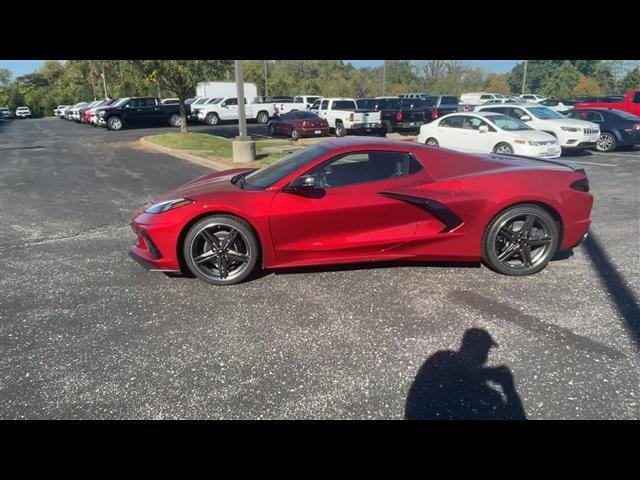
(344, 105)
(121, 102)
(215, 100)
(544, 113)
(267, 176)
(508, 124)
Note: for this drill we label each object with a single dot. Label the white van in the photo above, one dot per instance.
(479, 98)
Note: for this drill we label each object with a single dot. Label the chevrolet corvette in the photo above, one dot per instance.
(366, 199)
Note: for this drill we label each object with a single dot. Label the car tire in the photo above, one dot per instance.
(244, 247)
(175, 120)
(295, 135)
(388, 126)
(212, 119)
(523, 250)
(272, 130)
(114, 123)
(263, 117)
(432, 142)
(607, 142)
(340, 130)
(503, 148)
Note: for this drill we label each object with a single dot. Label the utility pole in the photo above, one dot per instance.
(93, 85)
(158, 87)
(244, 149)
(524, 77)
(104, 83)
(384, 77)
(265, 78)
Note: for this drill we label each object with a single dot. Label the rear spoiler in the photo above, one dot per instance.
(546, 160)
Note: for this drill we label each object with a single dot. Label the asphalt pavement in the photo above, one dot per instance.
(87, 333)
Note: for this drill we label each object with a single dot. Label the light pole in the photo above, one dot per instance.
(384, 77)
(265, 78)
(93, 85)
(524, 77)
(244, 149)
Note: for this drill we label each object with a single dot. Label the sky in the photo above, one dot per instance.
(22, 67)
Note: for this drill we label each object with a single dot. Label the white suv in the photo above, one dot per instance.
(571, 134)
(533, 97)
(23, 112)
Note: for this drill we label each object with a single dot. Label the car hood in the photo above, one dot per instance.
(533, 135)
(213, 183)
(572, 122)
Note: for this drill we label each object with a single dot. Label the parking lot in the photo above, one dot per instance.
(87, 333)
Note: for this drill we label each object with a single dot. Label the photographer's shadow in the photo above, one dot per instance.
(455, 385)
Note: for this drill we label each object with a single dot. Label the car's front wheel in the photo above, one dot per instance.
(221, 249)
(295, 135)
(606, 142)
(503, 148)
(263, 117)
(212, 119)
(432, 142)
(520, 241)
(115, 123)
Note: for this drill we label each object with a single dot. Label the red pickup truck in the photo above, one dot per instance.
(631, 103)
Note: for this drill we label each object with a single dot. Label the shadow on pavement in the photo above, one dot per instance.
(455, 385)
(615, 285)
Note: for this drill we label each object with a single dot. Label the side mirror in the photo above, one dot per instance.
(525, 118)
(304, 182)
(483, 129)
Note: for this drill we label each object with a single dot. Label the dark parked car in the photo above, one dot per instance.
(299, 124)
(396, 113)
(617, 128)
(141, 111)
(6, 113)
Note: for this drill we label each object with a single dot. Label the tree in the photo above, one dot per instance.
(561, 84)
(181, 77)
(629, 81)
(587, 86)
(498, 84)
(5, 77)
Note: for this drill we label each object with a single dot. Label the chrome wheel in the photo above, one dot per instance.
(606, 142)
(294, 134)
(212, 119)
(432, 142)
(175, 120)
(221, 252)
(263, 117)
(115, 123)
(523, 241)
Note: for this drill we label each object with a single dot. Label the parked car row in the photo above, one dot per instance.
(116, 114)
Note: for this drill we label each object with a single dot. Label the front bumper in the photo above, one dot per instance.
(156, 239)
(366, 127)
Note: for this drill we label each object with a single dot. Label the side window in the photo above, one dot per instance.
(517, 113)
(147, 102)
(636, 98)
(486, 97)
(298, 100)
(316, 105)
(594, 117)
(324, 105)
(451, 122)
(360, 167)
(134, 103)
(474, 123)
(231, 102)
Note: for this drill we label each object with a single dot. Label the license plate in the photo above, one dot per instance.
(318, 132)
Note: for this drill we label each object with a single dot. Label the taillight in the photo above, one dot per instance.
(434, 114)
(351, 117)
(581, 185)
(305, 124)
(636, 126)
(399, 116)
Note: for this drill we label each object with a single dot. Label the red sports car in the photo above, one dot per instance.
(299, 124)
(354, 200)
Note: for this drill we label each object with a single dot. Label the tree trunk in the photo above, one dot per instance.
(183, 116)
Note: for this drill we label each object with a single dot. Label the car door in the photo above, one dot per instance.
(132, 111)
(229, 109)
(449, 132)
(346, 216)
(476, 139)
(150, 111)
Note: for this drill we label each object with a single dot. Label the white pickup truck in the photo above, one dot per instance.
(226, 109)
(344, 116)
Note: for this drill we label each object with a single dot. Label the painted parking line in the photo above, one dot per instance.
(593, 163)
(630, 155)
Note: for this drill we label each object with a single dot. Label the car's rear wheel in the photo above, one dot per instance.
(295, 135)
(520, 241)
(606, 142)
(114, 123)
(175, 120)
(212, 119)
(221, 250)
(432, 142)
(263, 117)
(503, 147)
(340, 130)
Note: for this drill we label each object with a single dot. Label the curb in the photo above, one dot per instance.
(185, 156)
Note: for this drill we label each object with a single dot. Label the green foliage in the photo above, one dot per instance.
(629, 81)
(562, 82)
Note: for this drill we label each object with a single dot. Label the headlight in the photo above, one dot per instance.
(102, 112)
(168, 205)
(571, 129)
